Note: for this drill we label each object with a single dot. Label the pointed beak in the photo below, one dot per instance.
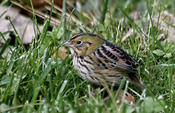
(67, 44)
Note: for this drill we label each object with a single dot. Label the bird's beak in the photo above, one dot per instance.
(67, 43)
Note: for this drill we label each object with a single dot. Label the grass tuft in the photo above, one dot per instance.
(34, 80)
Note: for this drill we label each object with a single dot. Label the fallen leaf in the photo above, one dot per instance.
(23, 25)
(166, 25)
(62, 52)
(128, 97)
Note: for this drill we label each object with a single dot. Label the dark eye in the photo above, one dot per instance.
(79, 42)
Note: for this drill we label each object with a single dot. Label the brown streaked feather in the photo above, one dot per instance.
(124, 60)
(112, 62)
(97, 59)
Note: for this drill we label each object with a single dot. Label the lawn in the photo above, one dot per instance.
(35, 79)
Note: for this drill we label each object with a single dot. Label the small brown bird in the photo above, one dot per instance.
(97, 59)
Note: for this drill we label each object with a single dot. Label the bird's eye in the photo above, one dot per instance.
(79, 42)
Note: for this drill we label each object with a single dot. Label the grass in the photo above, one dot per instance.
(35, 81)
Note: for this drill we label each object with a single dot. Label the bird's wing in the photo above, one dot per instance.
(111, 56)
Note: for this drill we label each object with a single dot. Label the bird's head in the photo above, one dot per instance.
(84, 43)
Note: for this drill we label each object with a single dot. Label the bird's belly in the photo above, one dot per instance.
(109, 76)
(87, 72)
